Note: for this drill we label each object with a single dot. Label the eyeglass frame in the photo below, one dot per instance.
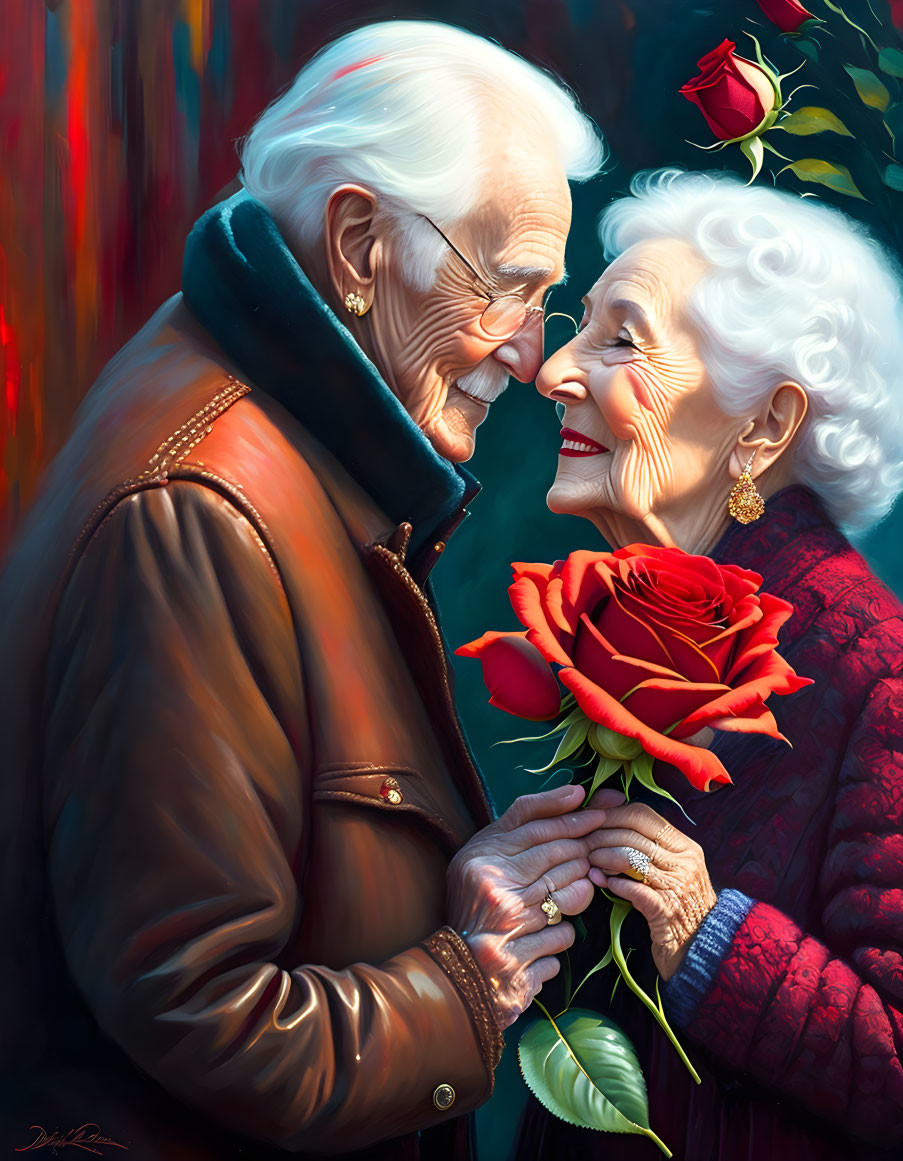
(487, 291)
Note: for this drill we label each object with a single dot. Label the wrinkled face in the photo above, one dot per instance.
(645, 446)
(432, 346)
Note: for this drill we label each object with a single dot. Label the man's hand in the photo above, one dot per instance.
(497, 883)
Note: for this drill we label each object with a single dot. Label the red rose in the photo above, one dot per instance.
(733, 94)
(654, 644)
(788, 15)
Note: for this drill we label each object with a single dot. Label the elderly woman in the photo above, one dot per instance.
(741, 328)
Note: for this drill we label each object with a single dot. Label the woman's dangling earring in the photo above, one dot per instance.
(354, 304)
(744, 503)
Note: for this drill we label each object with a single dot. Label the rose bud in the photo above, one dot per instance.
(516, 674)
(732, 93)
(788, 15)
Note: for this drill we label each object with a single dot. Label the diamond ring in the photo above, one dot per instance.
(639, 862)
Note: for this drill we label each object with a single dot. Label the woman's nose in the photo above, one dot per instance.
(521, 355)
(560, 378)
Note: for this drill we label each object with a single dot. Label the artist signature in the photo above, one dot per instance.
(87, 1137)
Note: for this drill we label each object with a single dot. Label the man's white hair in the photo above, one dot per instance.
(399, 108)
(797, 291)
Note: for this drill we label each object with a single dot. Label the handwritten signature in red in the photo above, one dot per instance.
(87, 1137)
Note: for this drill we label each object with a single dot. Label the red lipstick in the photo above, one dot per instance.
(577, 445)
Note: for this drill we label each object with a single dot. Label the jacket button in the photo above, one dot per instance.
(444, 1097)
(391, 792)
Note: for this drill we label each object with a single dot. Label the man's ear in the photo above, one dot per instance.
(352, 247)
(771, 432)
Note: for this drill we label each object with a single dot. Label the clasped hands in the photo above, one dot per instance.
(544, 845)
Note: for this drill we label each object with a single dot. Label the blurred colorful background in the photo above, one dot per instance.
(118, 124)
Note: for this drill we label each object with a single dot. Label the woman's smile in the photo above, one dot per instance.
(578, 445)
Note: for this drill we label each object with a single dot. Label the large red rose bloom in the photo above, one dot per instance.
(653, 643)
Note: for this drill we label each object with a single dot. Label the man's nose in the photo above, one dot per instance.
(560, 378)
(521, 355)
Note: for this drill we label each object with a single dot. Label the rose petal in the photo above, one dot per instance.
(662, 704)
(699, 766)
(595, 656)
(516, 675)
(755, 721)
(528, 603)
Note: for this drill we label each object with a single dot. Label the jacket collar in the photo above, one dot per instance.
(244, 285)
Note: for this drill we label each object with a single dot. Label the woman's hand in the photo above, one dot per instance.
(677, 893)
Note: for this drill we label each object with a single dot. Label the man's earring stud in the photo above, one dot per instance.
(354, 304)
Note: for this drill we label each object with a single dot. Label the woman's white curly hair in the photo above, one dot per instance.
(798, 291)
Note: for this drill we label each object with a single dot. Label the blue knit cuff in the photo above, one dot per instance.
(690, 984)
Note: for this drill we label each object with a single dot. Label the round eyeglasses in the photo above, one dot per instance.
(504, 314)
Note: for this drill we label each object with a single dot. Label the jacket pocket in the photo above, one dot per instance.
(392, 789)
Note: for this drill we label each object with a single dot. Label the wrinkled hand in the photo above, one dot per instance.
(498, 881)
(677, 894)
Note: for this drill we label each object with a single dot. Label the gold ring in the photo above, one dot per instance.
(552, 910)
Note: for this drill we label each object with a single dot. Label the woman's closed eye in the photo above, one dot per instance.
(624, 339)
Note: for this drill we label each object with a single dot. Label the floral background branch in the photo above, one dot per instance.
(744, 102)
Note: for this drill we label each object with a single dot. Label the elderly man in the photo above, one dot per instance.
(255, 900)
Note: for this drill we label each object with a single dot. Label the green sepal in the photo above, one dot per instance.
(584, 1070)
(642, 771)
(754, 152)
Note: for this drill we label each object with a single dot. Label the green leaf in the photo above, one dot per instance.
(812, 119)
(893, 176)
(871, 90)
(603, 963)
(807, 47)
(835, 177)
(890, 61)
(893, 119)
(585, 1071)
(753, 151)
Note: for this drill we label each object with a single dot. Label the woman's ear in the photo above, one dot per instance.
(352, 245)
(771, 432)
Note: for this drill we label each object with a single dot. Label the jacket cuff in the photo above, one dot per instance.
(452, 954)
(690, 984)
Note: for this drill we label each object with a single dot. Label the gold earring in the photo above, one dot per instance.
(744, 503)
(354, 304)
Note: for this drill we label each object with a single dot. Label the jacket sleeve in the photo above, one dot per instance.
(821, 1019)
(177, 773)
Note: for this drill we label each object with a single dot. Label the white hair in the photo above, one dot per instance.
(799, 291)
(399, 108)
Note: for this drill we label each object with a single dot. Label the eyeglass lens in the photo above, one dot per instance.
(504, 316)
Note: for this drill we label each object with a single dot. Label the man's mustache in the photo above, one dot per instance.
(485, 382)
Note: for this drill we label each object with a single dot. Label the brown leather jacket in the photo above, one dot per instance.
(234, 782)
